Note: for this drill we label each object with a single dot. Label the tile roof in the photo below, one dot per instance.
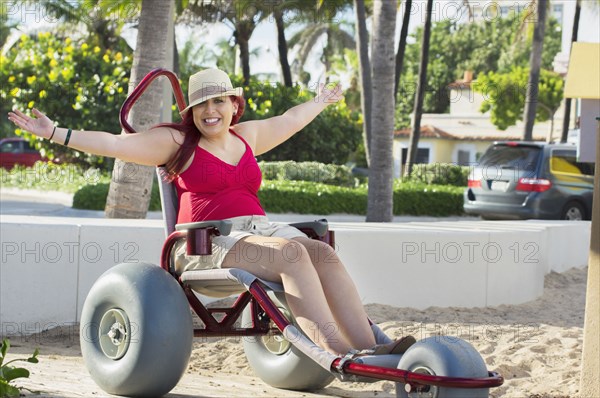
(429, 131)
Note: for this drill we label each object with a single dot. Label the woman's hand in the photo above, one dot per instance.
(265, 134)
(41, 125)
(330, 93)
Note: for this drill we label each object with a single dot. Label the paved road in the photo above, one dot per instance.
(49, 204)
(58, 204)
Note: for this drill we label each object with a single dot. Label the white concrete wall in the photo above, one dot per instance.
(49, 264)
(464, 264)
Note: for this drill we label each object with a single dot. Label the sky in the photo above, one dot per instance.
(265, 35)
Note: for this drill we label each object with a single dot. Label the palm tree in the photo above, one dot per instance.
(226, 58)
(131, 185)
(193, 58)
(241, 16)
(336, 38)
(535, 61)
(380, 195)
(420, 94)
(244, 27)
(282, 46)
(93, 15)
(299, 7)
(364, 66)
(567, 114)
(402, 46)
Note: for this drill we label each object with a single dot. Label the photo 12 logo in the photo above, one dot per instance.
(470, 252)
(69, 252)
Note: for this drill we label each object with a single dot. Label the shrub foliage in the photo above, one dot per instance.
(315, 198)
(440, 174)
(93, 197)
(332, 137)
(73, 81)
(308, 171)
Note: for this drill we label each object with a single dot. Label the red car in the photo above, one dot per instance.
(15, 151)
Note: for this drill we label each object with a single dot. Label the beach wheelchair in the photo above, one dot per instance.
(137, 329)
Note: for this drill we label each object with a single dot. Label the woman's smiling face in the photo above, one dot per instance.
(214, 115)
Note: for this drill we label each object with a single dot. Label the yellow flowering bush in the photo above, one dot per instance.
(74, 81)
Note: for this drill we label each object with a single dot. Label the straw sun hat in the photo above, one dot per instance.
(210, 83)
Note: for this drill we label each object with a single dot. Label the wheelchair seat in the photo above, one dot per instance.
(223, 282)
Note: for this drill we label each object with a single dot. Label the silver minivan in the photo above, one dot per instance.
(522, 180)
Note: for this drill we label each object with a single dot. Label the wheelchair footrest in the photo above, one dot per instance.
(386, 361)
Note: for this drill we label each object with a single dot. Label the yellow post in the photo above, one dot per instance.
(583, 81)
(590, 372)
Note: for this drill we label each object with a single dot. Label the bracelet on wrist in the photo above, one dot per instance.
(66, 143)
(52, 135)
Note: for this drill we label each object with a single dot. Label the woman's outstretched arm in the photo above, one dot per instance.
(153, 147)
(264, 135)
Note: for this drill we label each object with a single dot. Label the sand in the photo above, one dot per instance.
(536, 346)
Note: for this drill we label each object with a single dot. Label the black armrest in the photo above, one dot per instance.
(222, 226)
(319, 227)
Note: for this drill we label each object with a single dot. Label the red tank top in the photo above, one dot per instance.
(211, 189)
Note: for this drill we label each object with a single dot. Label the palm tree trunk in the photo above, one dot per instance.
(131, 184)
(535, 62)
(380, 195)
(245, 60)
(286, 72)
(402, 46)
(415, 133)
(327, 56)
(242, 37)
(364, 66)
(175, 57)
(567, 114)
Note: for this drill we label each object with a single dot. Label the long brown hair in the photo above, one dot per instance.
(191, 138)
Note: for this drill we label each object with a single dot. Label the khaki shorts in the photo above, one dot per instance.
(242, 227)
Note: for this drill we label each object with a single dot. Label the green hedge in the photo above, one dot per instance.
(305, 197)
(93, 197)
(418, 199)
(313, 198)
(334, 174)
(48, 176)
(440, 174)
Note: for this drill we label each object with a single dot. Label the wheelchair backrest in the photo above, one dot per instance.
(169, 201)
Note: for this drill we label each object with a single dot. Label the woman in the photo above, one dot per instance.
(210, 158)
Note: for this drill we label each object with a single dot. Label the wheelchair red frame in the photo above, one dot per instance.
(257, 296)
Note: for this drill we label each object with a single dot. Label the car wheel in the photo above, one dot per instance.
(573, 211)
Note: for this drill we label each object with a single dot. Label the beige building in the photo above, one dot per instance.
(462, 135)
